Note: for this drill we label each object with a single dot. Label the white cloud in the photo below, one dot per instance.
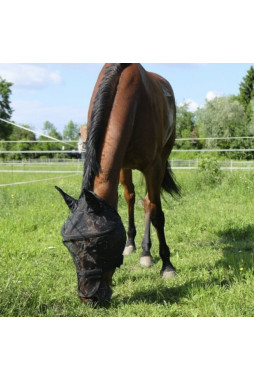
(211, 95)
(55, 77)
(192, 105)
(29, 76)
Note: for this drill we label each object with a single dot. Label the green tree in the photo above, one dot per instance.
(185, 127)
(221, 117)
(50, 129)
(70, 131)
(251, 124)
(184, 120)
(21, 136)
(5, 108)
(246, 93)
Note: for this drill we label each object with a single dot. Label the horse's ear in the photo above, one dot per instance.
(70, 201)
(92, 202)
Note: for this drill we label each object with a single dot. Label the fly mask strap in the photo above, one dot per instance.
(90, 274)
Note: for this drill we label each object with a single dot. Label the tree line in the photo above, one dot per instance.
(221, 117)
(10, 133)
(16, 139)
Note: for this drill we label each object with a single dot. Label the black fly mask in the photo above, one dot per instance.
(95, 237)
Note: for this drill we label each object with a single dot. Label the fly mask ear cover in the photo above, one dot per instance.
(94, 232)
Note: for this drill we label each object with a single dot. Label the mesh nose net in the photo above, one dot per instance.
(95, 236)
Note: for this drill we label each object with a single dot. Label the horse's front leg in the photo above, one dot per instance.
(158, 221)
(129, 194)
(146, 259)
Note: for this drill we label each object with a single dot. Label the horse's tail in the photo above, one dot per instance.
(168, 183)
(98, 122)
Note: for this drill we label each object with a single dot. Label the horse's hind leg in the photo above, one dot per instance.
(129, 194)
(158, 221)
(157, 218)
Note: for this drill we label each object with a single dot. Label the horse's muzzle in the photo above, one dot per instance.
(92, 287)
(102, 296)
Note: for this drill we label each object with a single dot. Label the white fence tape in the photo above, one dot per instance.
(31, 171)
(35, 181)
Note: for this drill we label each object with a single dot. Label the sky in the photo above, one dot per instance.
(60, 92)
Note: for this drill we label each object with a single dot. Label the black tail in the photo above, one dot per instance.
(98, 123)
(168, 183)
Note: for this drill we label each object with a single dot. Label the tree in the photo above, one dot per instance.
(221, 117)
(70, 131)
(185, 127)
(184, 120)
(20, 135)
(251, 124)
(5, 108)
(246, 93)
(51, 130)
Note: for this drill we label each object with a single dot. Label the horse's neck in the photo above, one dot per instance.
(106, 184)
(117, 137)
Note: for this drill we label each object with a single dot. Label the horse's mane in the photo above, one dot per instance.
(98, 122)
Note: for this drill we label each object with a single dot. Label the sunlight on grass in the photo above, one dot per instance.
(210, 231)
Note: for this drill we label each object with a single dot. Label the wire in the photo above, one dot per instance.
(35, 181)
(34, 132)
(52, 151)
(37, 141)
(225, 138)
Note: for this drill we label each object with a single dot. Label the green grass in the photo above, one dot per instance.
(210, 230)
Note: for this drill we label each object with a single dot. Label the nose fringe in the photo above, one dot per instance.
(100, 297)
(89, 282)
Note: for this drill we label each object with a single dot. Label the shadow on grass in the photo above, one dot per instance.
(238, 248)
(157, 295)
(168, 294)
(165, 291)
(238, 255)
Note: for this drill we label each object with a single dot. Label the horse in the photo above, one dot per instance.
(131, 125)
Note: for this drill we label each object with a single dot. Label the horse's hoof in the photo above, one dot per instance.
(129, 250)
(146, 261)
(168, 274)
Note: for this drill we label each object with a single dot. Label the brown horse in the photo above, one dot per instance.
(131, 125)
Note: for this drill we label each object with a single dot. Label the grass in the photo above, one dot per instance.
(210, 230)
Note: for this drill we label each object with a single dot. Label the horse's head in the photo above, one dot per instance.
(95, 237)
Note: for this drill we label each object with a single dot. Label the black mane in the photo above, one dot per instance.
(97, 125)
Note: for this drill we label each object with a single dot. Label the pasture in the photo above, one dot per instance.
(210, 231)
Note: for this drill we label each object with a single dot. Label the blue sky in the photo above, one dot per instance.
(61, 92)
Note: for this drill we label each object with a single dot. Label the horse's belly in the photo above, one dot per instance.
(139, 159)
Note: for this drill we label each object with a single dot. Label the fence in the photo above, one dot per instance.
(76, 165)
(67, 168)
(18, 172)
(223, 165)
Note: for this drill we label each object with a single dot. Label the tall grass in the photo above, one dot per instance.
(210, 231)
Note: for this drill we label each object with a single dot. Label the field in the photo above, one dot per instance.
(210, 231)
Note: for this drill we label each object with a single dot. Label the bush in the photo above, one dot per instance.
(210, 169)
